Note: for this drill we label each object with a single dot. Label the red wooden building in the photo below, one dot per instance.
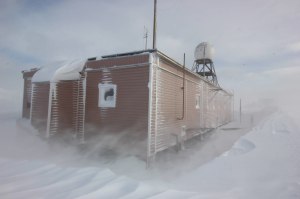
(146, 94)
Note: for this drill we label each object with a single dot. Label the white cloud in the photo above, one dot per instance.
(240, 31)
(294, 47)
(284, 72)
(4, 94)
(10, 100)
(248, 38)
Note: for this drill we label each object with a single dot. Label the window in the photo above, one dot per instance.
(107, 95)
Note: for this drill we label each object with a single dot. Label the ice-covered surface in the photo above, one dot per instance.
(46, 72)
(69, 71)
(264, 163)
(62, 70)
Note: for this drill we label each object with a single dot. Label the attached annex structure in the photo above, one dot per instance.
(54, 96)
(156, 100)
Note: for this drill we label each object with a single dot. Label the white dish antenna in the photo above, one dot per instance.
(203, 51)
(203, 64)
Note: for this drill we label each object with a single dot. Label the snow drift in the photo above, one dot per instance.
(264, 163)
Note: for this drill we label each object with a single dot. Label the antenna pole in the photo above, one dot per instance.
(154, 25)
(146, 40)
(146, 37)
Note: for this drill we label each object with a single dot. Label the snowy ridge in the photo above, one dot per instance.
(32, 179)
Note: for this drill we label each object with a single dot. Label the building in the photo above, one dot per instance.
(146, 94)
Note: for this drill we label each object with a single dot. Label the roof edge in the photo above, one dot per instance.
(129, 53)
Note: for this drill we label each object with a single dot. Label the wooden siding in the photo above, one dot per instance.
(27, 75)
(39, 107)
(118, 61)
(152, 121)
(131, 111)
(62, 112)
(194, 104)
(168, 108)
(62, 107)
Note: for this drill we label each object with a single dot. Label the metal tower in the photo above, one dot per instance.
(205, 68)
(203, 64)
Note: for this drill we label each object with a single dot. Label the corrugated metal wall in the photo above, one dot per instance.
(205, 106)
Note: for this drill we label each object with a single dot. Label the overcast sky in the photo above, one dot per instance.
(257, 42)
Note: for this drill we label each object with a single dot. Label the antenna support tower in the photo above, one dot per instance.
(205, 68)
(203, 64)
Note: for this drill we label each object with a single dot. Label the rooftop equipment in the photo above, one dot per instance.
(203, 64)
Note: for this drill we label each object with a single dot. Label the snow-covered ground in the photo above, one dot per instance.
(265, 163)
(261, 161)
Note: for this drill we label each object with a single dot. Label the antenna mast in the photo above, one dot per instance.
(154, 25)
(146, 36)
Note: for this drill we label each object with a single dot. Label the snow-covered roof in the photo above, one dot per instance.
(62, 70)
